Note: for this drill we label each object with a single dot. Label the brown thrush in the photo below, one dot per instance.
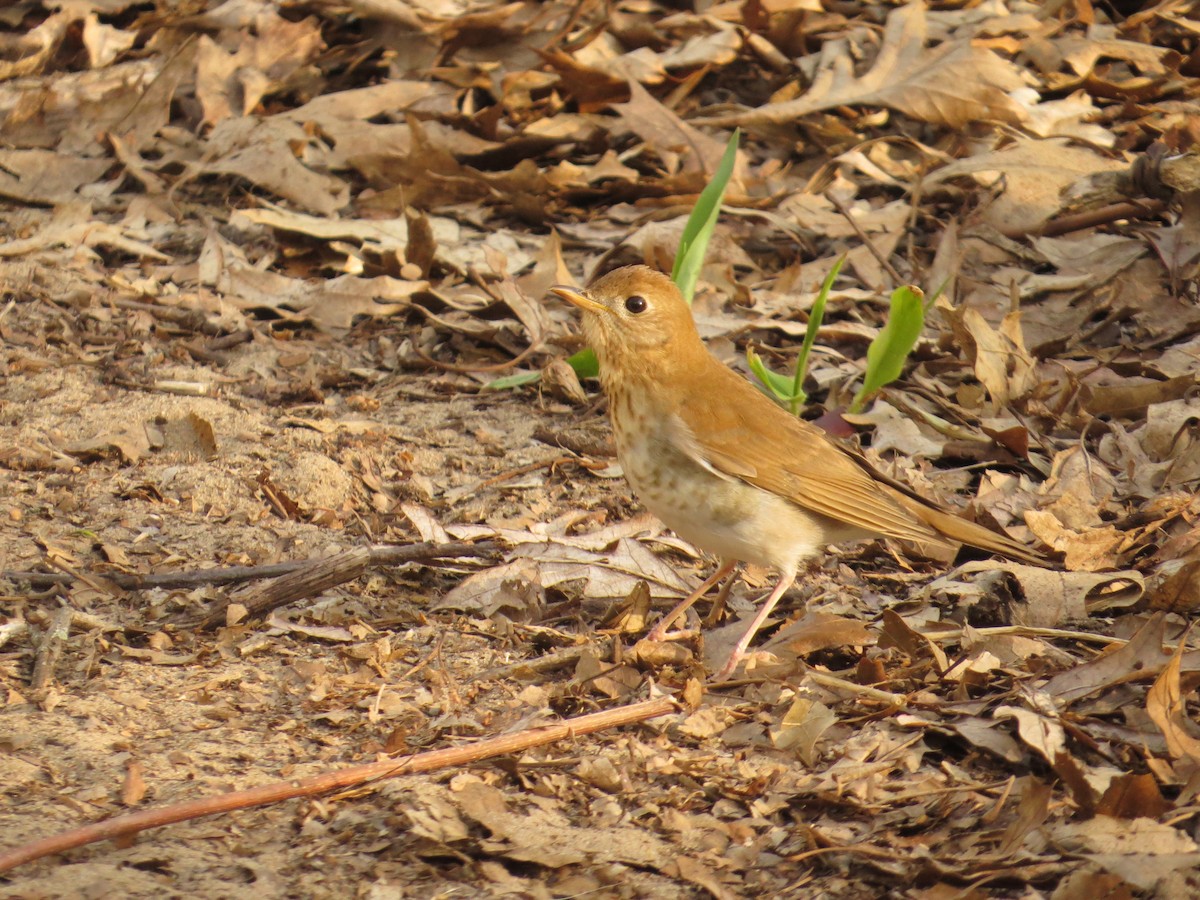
(722, 465)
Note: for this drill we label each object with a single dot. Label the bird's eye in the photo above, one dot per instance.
(636, 304)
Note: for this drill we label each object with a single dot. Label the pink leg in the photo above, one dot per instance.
(659, 632)
(785, 581)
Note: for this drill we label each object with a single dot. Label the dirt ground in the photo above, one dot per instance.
(138, 715)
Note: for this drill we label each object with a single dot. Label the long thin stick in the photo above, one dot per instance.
(383, 555)
(124, 826)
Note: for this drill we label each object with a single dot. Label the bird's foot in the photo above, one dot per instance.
(727, 670)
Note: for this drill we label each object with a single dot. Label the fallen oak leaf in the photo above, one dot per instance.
(952, 84)
(1139, 657)
(1166, 707)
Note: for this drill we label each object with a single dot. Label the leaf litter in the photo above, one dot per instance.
(261, 264)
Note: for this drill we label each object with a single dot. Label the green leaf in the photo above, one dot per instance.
(789, 390)
(689, 258)
(585, 363)
(512, 381)
(815, 316)
(781, 387)
(887, 354)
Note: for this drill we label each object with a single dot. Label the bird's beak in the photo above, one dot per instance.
(578, 297)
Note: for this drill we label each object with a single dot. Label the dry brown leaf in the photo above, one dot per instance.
(1175, 586)
(1140, 657)
(898, 633)
(130, 441)
(895, 430)
(1089, 550)
(1031, 174)
(609, 60)
(952, 83)
(1002, 364)
(1042, 733)
(268, 153)
(1166, 705)
(561, 381)
(530, 311)
(1083, 884)
(542, 834)
(1141, 851)
(707, 722)
(541, 562)
(695, 872)
(592, 88)
(70, 111)
(46, 177)
(1131, 396)
(802, 726)
(822, 631)
(1031, 814)
(34, 46)
(434, 815)
(332, 304)
(279, 624)
(232, 84)
(133, 790)
(104, 43)
(1068, 116)
(1082, 52)
(670, 136)
(1172, 435)
(990, 736)
(379, 236)
(1034, 596)
(189, 437)
(717, 48)
(1134, 797)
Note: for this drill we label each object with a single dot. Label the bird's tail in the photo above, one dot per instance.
(959, 529)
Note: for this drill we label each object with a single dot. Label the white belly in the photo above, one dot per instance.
(729, 518)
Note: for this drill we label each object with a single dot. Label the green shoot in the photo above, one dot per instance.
(788, 390)
(511, 381)
(893, 344)
(693, 244)
(585, 363)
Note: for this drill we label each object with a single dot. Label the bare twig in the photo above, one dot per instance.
(1139, 209)
(469, 490)
(833, 682)
(187, 319)
(557, 659)
(379, 556)
(318, 575)
(468, 369)
(953, 635)
(582, 443)
(315, 578)
(316, 785)
(53, 643)
(870, 244)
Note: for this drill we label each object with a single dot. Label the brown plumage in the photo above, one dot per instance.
(721, 464)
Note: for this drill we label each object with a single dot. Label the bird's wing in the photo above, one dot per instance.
(729, 427)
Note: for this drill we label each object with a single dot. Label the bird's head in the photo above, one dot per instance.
(633, 314)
